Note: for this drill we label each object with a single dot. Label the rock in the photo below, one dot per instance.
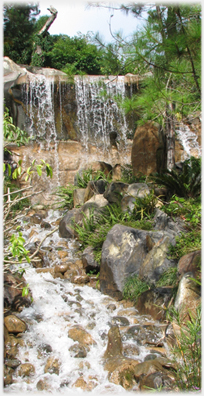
(65, 230)
(156, 381)
(114, 347)
(135, 190)
(78, 351)
(62, 254)
(123, 254)
(79, 334)
(85, 386)
(147, 139)
(120, 321)
(88, 260)
(188, 297)
(152, 366)
(13, 363)
(52, 365)
(191, 262)
(13, 298)
(78, 196)
(8, 379)
(62, 268)
(156, 261)
(153, 302)
(80, 280)
(163, 222)
(45, 224)
(43, 385)
(26, 369)
(115, 191)
(90, 191)
(14, 324)
(124, 374)
(131, 350)
(96, 204)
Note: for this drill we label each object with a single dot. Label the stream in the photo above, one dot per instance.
(57, 306)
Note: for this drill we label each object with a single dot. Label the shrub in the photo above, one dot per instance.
(134, 287)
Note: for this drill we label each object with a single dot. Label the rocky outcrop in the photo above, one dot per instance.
(125, 253)
(188, 297)
(147, 154)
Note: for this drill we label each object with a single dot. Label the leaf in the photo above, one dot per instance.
(39, 170)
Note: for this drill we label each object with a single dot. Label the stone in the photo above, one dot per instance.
(79, 334)
(115, 191)
(8, 379)
(78, 196)
(85, 386)
(191, 262)
(188, 297)
(43, 385)
(123, 254)
(156, 381)
(62, 254)
(62, 268)
(120, 321)
(26, 369)
(78, 351)
(14, 324)
(154, 302)
(88, 260)
(131, 350)
(52, 365)
(147, 139)
(65, 230)
(114, 347)
(13, 298)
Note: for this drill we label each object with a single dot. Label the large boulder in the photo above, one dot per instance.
(188, 297)
(115, 191)
(147, 154)
(123, 253)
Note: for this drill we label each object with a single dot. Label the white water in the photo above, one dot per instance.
(189, 141)
(58, 314)
(99, 113)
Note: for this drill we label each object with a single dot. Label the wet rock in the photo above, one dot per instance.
(62, 268)
(62, 254)
(8, 379)
(88, 260)
(124, 374)
(85, 386)
(119, 320)
(13, 298)
(45, 224)
(155, 381)
(45, 270)
(43, 384)
(188, 297)
(13, 363)
(78, 351)
(36, 218)
(78, 333)
(44, 349)
(114, 347)
(154, 302)
(26, 369)
(150, 356)
(152, 366)
(58, 275)
(14, 324)
(80, 280)
(52, 365)
(130, 350)
(111, 307)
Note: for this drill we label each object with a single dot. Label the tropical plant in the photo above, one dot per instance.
(67, 195)
(184, 183)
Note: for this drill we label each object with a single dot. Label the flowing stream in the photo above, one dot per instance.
(57, 306)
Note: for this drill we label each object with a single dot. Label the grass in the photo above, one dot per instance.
(134, 287)
(168, 278)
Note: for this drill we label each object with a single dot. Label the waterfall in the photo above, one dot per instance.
(189, 141)
(98, 114)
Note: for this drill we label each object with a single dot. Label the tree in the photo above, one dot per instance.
(19, 27)
(169, 50)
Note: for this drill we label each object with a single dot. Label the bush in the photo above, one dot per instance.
(134, 287)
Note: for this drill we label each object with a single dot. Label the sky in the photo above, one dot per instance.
(77, 16)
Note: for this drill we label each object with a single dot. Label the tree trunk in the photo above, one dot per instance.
(49, 22)
(170, 137)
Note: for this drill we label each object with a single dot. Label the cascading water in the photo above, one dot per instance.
(57, 306)
(189, 141)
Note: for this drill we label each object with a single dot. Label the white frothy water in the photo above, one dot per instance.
(57, 306)
(98, 111)
(189, 141)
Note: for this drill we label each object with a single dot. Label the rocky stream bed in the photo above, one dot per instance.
(70, 336)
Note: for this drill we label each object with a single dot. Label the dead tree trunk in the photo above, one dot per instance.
(54, 12)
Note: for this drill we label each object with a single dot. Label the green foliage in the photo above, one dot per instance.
(186, 243)
(17, 247)
(144, 207)
(19, 27)
(90, 175)
(129, 177)
(13, 134)
(187, 352)
(184, 183)
(168, 278)
(188, 209)
(134, 287)
(67, 195)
